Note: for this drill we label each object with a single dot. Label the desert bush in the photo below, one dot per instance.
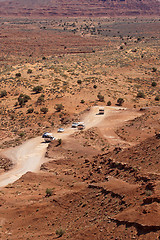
(29, 71)
(30, 110)
(60, 232)
(157, 98)
(21, 134)
(82, 101)
(49, 192)
(3, 93)
(100, 97)
(120, 101)
(148, 193)
(79, 81)
(40, 99)
(59, 107)
(154, 84)
(140, 95)
(22, 99)
(95, 86)
(44, 110)
(154, 69)
(18, 75)
(37, 89)
(59, 141)
(109, 103)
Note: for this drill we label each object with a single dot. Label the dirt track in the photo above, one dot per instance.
(30, 155)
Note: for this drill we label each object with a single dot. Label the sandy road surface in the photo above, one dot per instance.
(30, 155)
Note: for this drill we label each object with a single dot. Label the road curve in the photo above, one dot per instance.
(29, 156)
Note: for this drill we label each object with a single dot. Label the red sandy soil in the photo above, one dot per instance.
(95, 8)
(109, 194)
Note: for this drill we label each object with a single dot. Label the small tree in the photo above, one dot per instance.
(79, 81)
(44, 110)
(49, 192)
(154, 69)
(157, 98)
(100, 97)
(30, 110)
(37, 89)
(60, 232)
(109, 103)
(120, 101)
(40, 99)
(154, 84)
(18, 74)
(29, 71)
(3, 93)
(59, 107)
(22, 99)
(140, 95)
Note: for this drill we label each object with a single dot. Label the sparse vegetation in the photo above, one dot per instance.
(140, 95)
(154, 69)
(100, 97)
(120, 101)
(59, 107)
(37, 89)
(29, 71)
(30, 110)
(79, 81)
(3, 93)
(154, 84)
(40, 99)
(44, 110)
(22, 99)
(18, 74)
(157, 98)
(60, 232)
(49, 192)
(109, 103)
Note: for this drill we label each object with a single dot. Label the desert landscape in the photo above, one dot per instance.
(95, 63)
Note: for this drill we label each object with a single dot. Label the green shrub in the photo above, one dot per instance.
(100, 97)
(18, 74)
(154, 84)
(60, 232)
(3, 93)
(22, 134)
(140, 95)
(148, 193)
(22, 99)
(120, 101)
(79, 81)
(157, 98)
(59, 107)
(44, 110)
(30, 110)
(82, 101)
(59, 141)
(40, 99)
(154, 69)
(49, 192)
(109, 103)
(37, 89)
(29, 71)
(95, 86)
